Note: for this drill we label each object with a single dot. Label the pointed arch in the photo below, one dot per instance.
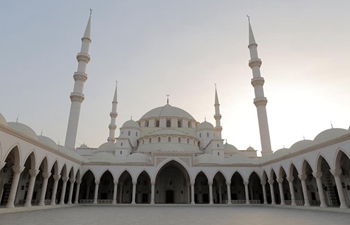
(202, 171)
(78, 175)
(281, 172)
(15, 153)
(304, 165)
(338, 156)
(64, 172)
(319, 161)
(219, 171)
(86, 171)
(272, 173)
(143, 187)
(44, 164)
(71, 173)
(143, 172)
(254, 171)
(104, 171)
(125, 171)
(32, 156)
(164, 162)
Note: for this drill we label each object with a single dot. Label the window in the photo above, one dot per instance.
(129, 133)
(121, 144)
(169, 139)
(168, 123)
(188, 141)
(146, 124)
(158, 139)
(207, 134)
(121, 152)
(217, 145)
(136, 134)
(179, 123)
(150, 140)
(200, 135)
(218, 153)
(157, 123)
(179, 139)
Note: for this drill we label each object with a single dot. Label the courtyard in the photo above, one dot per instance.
(174, 215)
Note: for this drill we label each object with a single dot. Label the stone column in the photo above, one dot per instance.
(228, 183)
(70, 195)
(336, 173)
(114, 201)
(188, 185)
(121, 192)
(64, 187)
(2, 164)
(273, 202)
(17, 170)
(280, 182)
(246, 192)
(133, 192)
(54, 189)
(152, 191)
(210, 192)
(192, 193)
(46, 176)
(87, 190)
(76, 201)
(318, 176)
(97, 183)
(302, 177)
(33, 173)
(264, 191)
(291, 189)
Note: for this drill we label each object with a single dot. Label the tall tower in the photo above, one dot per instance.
(217, 115)
(112, 126)
(260, 100)
(77, 96)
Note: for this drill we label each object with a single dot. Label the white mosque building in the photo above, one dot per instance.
(167, 156)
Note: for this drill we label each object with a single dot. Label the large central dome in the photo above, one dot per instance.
(167, 111)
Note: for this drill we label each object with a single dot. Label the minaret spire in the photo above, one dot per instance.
(112, 126)
(77, 96)
(260, 100)
(217, 115)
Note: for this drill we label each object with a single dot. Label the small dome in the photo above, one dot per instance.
(230, 148)
(47, 141)
(2, 120)
(137, 158)
(103, 157)
(281, 152)
(250, 149)
(206, 159)
(130, 124)
(24, 129)
(205, 126)
(300, 145)
(330, 134)
(107, 147)
(69, 152)
(167, 111)
(83, 146)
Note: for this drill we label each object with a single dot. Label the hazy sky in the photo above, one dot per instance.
(181, 48)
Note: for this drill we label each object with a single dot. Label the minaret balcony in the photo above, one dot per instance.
(262, 101)
(113, 114)
(256, 81)
(76, 97)
(80, 76)
(83, 57)
(255, 62)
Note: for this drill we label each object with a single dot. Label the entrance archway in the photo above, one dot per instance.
(172, 184)
(237, 187)
(201, 193)
(143, 188)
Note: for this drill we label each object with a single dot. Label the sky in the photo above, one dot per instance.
(156, 47)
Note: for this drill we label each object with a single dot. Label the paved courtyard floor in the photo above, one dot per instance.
(174, 215)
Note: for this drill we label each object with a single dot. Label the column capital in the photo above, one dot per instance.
(72, 180)
(193, 183)
(33, 172)
(46, 175)
(56, 177)
(134, 182)
(115, 182)
(97, 182)
(18, 169)
(153, 182)
(245, 182)
(271, 181)
(336, 172)
(2, 164)
(317, 174)
(280, 180)
(78, 181)
(290, 179)
(65, 179)
(210, 183)
(228, 182)
(263, 182)
(302, 177)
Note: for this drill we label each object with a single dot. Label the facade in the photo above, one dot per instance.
(167, 156)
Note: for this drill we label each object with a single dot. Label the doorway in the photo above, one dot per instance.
(169, 196)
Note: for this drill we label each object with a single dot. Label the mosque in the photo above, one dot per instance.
(168, 157)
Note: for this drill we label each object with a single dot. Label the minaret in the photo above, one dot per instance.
(112, 126)
(77, 95)
(260, 100)
(217, 115)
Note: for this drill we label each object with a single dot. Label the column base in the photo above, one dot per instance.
(27, 204)
(10, 206)
(343, 206)
(323, 206)
(41, 204)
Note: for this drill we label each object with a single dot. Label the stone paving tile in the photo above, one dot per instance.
(170, 215)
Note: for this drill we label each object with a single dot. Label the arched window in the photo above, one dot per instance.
(121, 144)
(136, 134)
(150, 140)
(169, 139)
(121, 152)
(207, 134)
(168, 123)
(179, 123)
(157, 123)
(146, 123)
(189, 124)
(158, 139)
(179, 139)
(129, 133)
(188, 141)
(217, 145)
(200, 135)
